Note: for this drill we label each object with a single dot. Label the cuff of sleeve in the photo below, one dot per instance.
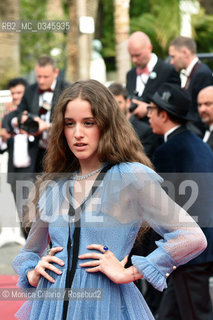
(149, 272)
(23, 281)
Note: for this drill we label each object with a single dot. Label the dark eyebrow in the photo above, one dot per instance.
(84, 119)
(88, 118)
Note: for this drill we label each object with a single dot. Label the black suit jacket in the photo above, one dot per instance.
(202, 77)
(164, 73)
(30, 103)
(210, 140)
(179, 161)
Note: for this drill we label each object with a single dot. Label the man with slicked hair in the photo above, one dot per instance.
(196, 75)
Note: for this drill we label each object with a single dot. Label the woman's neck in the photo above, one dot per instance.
(86, 168)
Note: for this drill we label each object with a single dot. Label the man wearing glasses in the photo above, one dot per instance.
(186, 164)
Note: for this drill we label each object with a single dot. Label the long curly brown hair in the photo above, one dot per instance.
(118, 141)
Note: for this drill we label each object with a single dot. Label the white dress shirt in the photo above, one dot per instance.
(207, 133)
(169, 132)
(186, 73)
(142, 79)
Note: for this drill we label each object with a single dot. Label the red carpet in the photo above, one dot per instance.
(9, 307)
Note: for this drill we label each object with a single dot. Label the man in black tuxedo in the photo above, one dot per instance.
(205, 110)
(196, 75)
(186, 164)
(17, 88)
(145, 78)
(39, 101)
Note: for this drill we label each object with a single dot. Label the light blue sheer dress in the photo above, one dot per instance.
(129, 194)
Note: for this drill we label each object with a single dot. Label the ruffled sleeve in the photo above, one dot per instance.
(37, 242)
(48, 207)
(32, 252)
(133, 194)
(183, 239)
(151, 269)
(149, 272)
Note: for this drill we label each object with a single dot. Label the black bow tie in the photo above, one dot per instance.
(40, 91)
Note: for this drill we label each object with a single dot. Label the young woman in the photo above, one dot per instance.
(97, 190)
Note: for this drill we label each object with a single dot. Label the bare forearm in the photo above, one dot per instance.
(131, 274)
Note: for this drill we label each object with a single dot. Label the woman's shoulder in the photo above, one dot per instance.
(136, 169)
(132, 167)
(128, 177)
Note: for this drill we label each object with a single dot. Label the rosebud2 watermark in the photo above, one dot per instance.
(17, 294)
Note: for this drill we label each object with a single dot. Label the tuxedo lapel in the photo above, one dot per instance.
(176, 131)
(56, 93)
(196, 66)
(210, 140)
(35, 102)
(153, 82)
(132, 80)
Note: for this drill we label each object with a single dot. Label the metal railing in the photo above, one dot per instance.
(208, 56)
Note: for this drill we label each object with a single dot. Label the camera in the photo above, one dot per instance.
(30, 125)
(133, 105)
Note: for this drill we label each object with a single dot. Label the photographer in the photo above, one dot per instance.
(10, 140)
(145, 78)
(38, 102)
(32, 119)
